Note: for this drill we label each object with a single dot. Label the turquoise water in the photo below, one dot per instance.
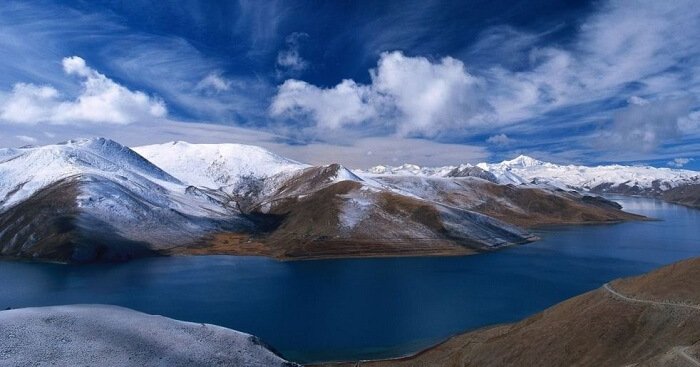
(368, 308)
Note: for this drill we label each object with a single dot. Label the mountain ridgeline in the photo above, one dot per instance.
(97, 200)
(673, 185)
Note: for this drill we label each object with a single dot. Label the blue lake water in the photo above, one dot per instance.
(368, 308)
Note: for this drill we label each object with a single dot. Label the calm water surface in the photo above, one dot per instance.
(368, 308)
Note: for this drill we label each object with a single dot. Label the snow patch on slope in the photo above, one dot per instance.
(356, 207)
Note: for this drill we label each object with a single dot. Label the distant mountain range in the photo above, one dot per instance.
(673, 185)
(97, 200)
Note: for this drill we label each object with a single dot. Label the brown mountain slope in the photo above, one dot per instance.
(522, 206)
(688, 195)
(346, 219)
(650, 320)
(317, 212)
(327, 211)
(50, 226)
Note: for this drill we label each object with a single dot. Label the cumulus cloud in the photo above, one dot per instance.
(500, 139)
(621, 51)
(679, 162)
(101, 100)
(410, 94)
(348, 103)
(289, 60)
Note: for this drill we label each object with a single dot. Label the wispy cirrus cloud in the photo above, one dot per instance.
(499, 140)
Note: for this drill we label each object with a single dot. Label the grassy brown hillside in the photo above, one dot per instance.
(320, 216)
(329, 222)
(521, 206)
(650, 320)
(49, 226)
(688, 195)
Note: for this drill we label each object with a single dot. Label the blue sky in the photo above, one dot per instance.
(361, 82)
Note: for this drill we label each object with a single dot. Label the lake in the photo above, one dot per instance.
(369, 308)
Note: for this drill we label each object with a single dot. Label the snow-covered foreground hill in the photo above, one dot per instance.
(96, 200)
(96, 335)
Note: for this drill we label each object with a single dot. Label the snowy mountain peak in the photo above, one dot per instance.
(522, 161)
(527, 170)
(408, 169)
(610, 178)
(24, 171)
(216, 165)
(341, 173)
(82, 155)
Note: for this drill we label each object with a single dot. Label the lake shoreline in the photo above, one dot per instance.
(386, 307)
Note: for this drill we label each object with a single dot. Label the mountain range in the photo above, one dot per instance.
(97, 200)
(673, 185)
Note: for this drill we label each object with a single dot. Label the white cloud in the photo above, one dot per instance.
(500, 139)
(101, 100)
(636, 100)
(429, 97)
(411, 95)
(289, 60)
(343, 105)
(644, 126)
(623, 50)
(26, 139)
(214, 82)
(679, 162)
(29, 103)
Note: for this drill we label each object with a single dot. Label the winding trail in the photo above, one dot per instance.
(681, 351)
(617, 294)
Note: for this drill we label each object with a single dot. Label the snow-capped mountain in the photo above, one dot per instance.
(216, 166)
(94, 192)
(95, 199)
(23, 171)
(409, 170)
(463, 170)
(524, 170)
